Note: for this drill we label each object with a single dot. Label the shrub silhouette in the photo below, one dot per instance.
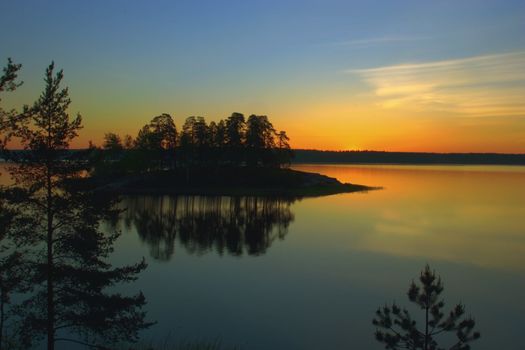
(396, 329)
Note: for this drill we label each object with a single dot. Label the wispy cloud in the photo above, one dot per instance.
(488, 85)
(367, 42)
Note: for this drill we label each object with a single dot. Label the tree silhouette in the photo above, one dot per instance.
(128, 142)
(7, 83)
(259, 140)
(187, 142)
(10, 73)
(112, 142)
(232, 142)
(164, 126)
(147, 140)
(13, 268)
(220, 136)
(235, 128)
(157, 140)
(285, 154)
(396, 329)
(67, 249)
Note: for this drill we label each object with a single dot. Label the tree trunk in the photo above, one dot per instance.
(426, 328)
(50, 290)
(2, 297)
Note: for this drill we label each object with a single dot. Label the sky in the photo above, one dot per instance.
(434, 75)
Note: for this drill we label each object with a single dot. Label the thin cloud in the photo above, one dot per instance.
(487, 85)
(366, 42)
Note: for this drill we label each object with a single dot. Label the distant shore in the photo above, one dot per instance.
(307, 156)
(410, 158)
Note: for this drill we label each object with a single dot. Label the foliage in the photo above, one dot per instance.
(112, 142)
(7, 83)
(10, 74)
(235, 130)
(164, 126)
(396, 328)
(159, 134)
(13, 268)
(158, 146)
(71, 298)
(232, 142)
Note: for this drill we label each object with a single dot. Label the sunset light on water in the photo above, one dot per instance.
(262, 174)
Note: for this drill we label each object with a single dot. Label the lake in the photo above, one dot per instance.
(309, 274)
(264, 273)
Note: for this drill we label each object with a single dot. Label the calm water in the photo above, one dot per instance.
(309, 274)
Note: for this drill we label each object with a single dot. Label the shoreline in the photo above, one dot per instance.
(316, 191)
(227, 182)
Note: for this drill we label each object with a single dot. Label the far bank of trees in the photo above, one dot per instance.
(235, 141)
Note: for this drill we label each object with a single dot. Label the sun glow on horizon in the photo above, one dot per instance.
(398, 80)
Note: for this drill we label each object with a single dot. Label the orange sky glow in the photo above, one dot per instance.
(443, 76)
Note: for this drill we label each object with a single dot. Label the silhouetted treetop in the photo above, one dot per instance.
(397, 329)
(234, 141)
(112, 142)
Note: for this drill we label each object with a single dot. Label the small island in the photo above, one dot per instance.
(229, 182)
(236, 156)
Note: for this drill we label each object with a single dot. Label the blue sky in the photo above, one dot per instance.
(126, 61)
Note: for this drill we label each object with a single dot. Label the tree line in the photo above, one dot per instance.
(234, 141)
(382, 157)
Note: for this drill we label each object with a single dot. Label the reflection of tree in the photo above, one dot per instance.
(235, 225)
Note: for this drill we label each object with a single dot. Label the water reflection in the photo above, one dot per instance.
(227, 225)
(345, 255)
(468, 215)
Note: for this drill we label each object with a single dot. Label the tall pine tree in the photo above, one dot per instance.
(72, 298)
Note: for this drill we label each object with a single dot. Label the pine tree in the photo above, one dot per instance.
(396, 328)
(8, 82)
(13, 268)
(285, 154)
(71, 278)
